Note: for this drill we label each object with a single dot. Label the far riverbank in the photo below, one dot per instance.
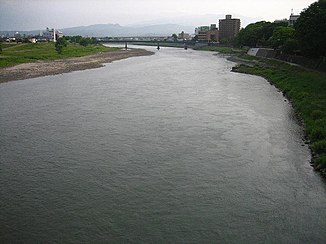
(53, 67)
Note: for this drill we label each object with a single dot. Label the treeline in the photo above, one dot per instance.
(266, 34)
(84, 41)
(307, 36)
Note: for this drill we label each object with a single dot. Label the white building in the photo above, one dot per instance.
(52, 34)
(293, 19)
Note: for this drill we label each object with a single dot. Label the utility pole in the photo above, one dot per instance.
(54, 37)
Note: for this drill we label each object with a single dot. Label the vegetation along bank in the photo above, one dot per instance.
(305, 88)
(13, 54)
(29, 60)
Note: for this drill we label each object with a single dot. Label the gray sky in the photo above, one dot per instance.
(38, 14)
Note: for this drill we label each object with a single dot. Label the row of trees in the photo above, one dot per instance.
(266, 34)
(307, 36)
(84, 41)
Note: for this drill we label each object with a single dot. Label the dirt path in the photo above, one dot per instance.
(43, 68)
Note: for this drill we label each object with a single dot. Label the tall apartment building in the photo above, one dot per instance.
(228, 27)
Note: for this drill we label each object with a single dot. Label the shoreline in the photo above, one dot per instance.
(253, 67)
(60, 66)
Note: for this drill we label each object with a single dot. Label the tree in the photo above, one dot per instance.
(195, 39)
(94, 41)
(290, 46)
(76, 39)
(280, 36)
(60, 44)
(84, 42)
(258, 34)
(227, 41)
(175, 37)
(311, 30)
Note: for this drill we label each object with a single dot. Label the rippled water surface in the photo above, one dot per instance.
(166, 148)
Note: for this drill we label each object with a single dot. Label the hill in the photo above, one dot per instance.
(116, 30)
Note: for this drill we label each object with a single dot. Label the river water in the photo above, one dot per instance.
(169, 148)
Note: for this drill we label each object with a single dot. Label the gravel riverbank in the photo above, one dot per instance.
(53, 67)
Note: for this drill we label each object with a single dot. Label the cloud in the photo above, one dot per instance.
(35, 14)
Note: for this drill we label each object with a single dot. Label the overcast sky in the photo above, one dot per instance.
(38, 14)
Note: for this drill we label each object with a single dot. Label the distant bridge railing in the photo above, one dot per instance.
(141, 41)
(180, 44)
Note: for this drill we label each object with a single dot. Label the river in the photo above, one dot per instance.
(168, 148)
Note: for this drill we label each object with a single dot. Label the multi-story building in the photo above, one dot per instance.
(52, 34)
(207, 33)
(293, 19)
(184, 36)
(213, 34)
(229, 27)
(201, 33)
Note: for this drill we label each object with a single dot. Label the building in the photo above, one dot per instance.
(52, 34)
(201, 33)
(207, 33)
(213, 34)
(228, 27)
(184, 36)
(293, 19)
(281, 21)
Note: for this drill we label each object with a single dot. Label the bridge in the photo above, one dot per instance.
(158, 43)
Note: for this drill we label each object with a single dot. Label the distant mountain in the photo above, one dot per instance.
(156, 27)
(198, 20)
(12, 33)
(117, 30)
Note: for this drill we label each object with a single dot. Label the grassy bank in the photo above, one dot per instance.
(31, 52)
(223, 50)
(306, 89)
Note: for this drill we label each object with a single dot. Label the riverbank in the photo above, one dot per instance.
(305, 89)
(18, 53)
(59, 66)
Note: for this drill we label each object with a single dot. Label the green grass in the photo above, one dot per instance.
(7, 45)
(307, 91)
(32, 52)
(223, 50)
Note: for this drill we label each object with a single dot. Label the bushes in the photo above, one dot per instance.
(319, 146)
(84, 41)
(316, 114)
(60, 44)
(307, 92)
(31, 52)
(321, 163)
(317, 134)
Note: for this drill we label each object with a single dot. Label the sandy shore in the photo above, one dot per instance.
(42, 68)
